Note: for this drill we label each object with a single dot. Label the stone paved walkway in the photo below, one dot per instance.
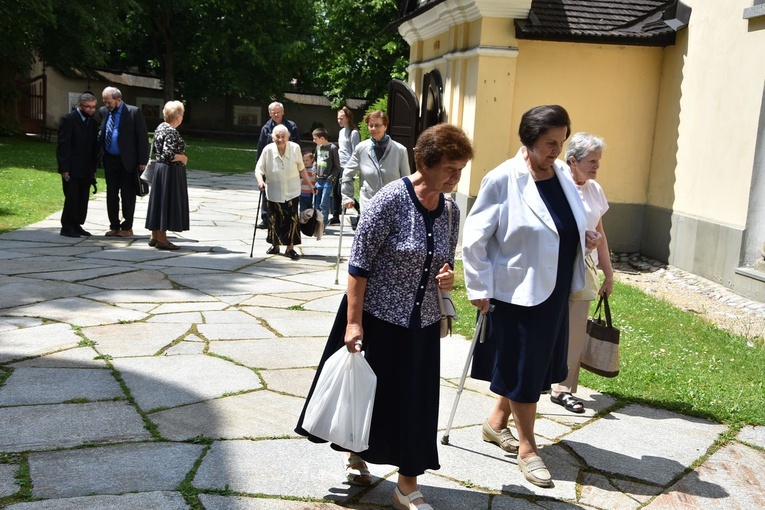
(132, 378)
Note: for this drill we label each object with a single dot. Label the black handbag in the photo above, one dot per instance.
(141, 186)
(601, 352)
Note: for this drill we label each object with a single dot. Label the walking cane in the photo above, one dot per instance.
(254, 231)
(479, 335)
(340, 243)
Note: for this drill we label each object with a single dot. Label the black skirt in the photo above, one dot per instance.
(169, 199)
(405, 416)
(283, 222)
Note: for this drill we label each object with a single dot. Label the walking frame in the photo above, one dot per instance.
(479, 335)
(255, 230)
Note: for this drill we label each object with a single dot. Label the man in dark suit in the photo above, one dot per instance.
(77, 156)
(124, 139)
(276, 112)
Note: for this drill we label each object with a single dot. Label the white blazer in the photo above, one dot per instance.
(510, 243)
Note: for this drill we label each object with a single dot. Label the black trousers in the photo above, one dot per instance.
(75, 201)
(336, 198)
(120, 184)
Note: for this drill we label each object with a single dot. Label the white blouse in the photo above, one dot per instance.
(281, 173)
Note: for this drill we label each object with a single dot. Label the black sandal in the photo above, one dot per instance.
(570, 402)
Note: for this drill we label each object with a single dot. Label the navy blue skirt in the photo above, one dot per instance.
(405, 417)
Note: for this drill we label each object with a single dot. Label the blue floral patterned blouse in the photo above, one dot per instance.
(399, 247)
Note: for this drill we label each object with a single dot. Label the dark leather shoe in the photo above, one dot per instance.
(334, 220)
(274, 250)
(292, 254)
(262, 225)
(112, 233)
(82, 231)
(68, 232)
(166, 246)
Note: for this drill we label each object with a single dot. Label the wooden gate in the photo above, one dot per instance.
(32, 106)
(403, 115)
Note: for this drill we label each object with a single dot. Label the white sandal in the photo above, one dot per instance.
(405, 502)
(355, 475)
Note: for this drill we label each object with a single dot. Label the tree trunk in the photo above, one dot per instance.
(9, 99)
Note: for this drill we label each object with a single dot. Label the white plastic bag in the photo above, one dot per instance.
(340, 409)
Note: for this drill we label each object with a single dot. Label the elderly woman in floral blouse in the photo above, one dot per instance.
(403, 250)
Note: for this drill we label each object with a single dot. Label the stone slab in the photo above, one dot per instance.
(169, 381)
(143, 500)
(28, 386)
(295, 323)
(753, 435)
(79, 357)
(731, 478)
(188, 307)
(653, 445)
(470, 460)
(185, 348)
(79, 312)
(177, 318)
(260, 414)
(137, 339)
(257, 467)
(19, 292)
(273, 353)
(234, 331)
(79, 275)
(117, 469)
(45, 427)
(151, 296)
(215, 502)
(295, 381)
(597, 491)
(143, 279)
(8, 485)
(437, 490)
(8, 323)
(36, 341)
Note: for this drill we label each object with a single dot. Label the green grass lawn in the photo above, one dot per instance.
(670, 358)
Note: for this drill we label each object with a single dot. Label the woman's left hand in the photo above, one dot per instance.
(445, 278)
(607, 288)
(592, 239)
(181, 158)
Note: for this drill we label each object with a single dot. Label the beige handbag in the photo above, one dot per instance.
(601, 352)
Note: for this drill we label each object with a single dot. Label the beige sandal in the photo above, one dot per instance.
(403, 502)
(356, 476)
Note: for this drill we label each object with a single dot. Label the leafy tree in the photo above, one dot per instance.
(66, 34)
(210, 48)
(354, 56)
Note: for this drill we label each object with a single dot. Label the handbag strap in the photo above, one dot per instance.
(151, 148)
(603, 301)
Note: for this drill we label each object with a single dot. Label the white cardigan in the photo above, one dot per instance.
(510, 243)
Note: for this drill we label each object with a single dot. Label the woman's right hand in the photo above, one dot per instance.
(181, 158)
(348, 204)
(354, 334)
(481, 304)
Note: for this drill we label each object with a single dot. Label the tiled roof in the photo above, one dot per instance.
(605, 21)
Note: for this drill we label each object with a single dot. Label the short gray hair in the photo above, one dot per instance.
(582, 144)
(112, 91)
(280, 128)
(85, 96)
(274, 105)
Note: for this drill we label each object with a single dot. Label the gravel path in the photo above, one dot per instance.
(711, 301)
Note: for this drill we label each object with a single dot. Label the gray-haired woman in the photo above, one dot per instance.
(583, 155)
(279, 170)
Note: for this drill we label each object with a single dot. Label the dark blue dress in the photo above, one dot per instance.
(526, 346)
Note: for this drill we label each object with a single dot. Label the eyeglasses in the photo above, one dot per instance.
(88, 107)
(375, 126)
